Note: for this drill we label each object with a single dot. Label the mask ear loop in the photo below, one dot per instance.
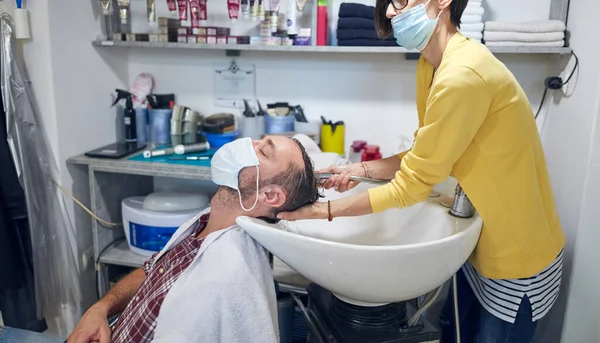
(255, 200)
(439, 14)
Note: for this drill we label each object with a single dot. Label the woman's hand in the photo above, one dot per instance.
(341, 180)
(353, 205)
(318, 210)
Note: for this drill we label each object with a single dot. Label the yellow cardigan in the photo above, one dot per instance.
(476, 123)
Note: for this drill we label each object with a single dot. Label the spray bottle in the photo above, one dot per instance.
(128, 115)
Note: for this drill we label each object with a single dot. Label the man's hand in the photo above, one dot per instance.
(93, 327)
(317, 210)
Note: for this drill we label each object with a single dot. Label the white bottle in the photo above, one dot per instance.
(356, 150)
(291, 17)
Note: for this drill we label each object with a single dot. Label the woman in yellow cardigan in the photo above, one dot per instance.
(476, 123)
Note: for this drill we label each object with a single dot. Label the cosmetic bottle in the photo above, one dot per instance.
(128, 116)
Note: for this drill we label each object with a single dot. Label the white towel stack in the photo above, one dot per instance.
(472, 20)
(531, 33)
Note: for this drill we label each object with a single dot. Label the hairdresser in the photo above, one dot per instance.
(476, 123)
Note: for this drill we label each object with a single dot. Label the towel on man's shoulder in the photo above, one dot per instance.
(350, 9)
(226, 295)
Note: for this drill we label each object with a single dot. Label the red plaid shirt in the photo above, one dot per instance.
(138, 322)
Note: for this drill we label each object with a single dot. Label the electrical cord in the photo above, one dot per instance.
(541, 102)
(100, 220)
(97, 263)
(555, 83)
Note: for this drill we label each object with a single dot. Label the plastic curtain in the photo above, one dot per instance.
(54, 246)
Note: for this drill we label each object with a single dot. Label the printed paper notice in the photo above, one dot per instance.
(232, 85)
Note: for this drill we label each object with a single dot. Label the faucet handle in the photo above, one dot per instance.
(462, 207)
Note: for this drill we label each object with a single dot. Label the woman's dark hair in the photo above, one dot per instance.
(383, 25)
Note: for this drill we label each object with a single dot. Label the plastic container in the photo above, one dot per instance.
(217, 140)
(321, 22)
(356, 151)
(279, 124)
(119, 126)
(160, 126)
(370, 153)
(333, 138)
(141, 124)
(175, 201)
(250, 127)
(149, 231)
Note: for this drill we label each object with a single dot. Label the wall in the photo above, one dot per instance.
(72, 83)
(373, 94)
(364, 90)
(573, 140)
(40, 69)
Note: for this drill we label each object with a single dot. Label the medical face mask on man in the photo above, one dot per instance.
(413, 29)
(229, 160)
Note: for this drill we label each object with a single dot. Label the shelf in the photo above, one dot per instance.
(247, 47)
(316, 49)
(121, 255)
(124, 166)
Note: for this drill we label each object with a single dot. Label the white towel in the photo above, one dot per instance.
(226, 295)
(471, 27)
(539, 44)
(473, 35)
(471, 19)
(523, 37)
(473, 11)
(538, 26)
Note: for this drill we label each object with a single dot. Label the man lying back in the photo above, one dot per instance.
(212, 282)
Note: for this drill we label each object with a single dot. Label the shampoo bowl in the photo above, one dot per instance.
(380, 258)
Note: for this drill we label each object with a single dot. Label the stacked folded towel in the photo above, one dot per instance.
(472, 20)
(531, 33)
(356, 26)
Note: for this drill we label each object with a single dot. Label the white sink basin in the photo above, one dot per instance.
(371, 260)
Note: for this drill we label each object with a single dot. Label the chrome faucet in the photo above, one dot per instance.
(462, 207)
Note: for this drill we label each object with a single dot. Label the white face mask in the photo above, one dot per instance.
(229, 160)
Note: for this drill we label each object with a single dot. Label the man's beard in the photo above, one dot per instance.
(228, 198)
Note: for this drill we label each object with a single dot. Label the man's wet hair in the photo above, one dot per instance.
(300, 184)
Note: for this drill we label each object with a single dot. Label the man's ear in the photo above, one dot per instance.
(272, 196)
